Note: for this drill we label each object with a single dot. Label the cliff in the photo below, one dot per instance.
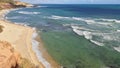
(7, 4)
(9, 58)
(22, 4)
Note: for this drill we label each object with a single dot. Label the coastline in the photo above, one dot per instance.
(45, 54)
(20, 38)
(24, 40)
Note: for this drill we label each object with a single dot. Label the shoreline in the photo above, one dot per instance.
(20, 37)
(45, 54)
(38, 54)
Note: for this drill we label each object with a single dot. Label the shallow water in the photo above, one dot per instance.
(83, 36)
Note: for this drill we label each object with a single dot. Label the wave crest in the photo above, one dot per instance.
(25, 12)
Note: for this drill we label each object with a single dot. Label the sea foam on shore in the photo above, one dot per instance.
(35, 47)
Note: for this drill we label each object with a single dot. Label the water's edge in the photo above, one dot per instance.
(34, 42)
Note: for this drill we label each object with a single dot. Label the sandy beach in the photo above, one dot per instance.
(20, 37)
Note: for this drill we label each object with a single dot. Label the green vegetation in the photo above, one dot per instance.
(26, 64)
(1, 28)
(6, 4)
(73, 51)
(6, 1)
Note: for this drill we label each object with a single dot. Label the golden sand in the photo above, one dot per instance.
(21, 39)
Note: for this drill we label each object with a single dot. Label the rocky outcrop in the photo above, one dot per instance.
(14, 4)
(22, 4)
(6, 6)
(8, 57)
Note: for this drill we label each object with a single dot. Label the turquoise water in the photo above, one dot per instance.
(76, 36)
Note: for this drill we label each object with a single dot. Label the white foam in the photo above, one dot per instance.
(107, 37)
(118, 30)
(42, 6)
(66, 24)
(35, 47)
(90, 21)
(26, 12)
(75, 27)
(93, 21)
(23, 24)
(15, 17)
(97, 43)
(58, 17)
(118, 21)
(78, 32)
(63, 17)
(117, 48)
(77, 18)
(105, 23)
(87, 34)
(111, 20)
(3, 15)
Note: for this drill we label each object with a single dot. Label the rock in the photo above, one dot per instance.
(6, 6)
(22, 4)
(8, 57)
(15, 4)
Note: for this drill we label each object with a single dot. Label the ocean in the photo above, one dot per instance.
(76, 35)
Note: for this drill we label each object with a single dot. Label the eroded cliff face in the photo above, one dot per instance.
(6, 6)
(22, 4)
(13, 4)
(8, 57)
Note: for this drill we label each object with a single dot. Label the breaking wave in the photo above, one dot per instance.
(25, 12)
(111, 20)
(58, 17)
(88, 21)
(96, 36)
(42, 6)
(15, 17)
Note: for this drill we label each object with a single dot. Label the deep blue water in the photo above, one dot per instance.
(99, 25)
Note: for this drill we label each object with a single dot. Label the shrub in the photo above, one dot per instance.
(1, 28)
(25, 63)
